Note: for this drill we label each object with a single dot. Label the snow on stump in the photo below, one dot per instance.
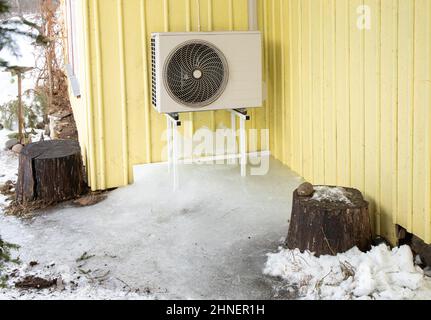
(329, 221)
(49, 172)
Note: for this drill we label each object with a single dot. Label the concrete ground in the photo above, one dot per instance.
(208, 240)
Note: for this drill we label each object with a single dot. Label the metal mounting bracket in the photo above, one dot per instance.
(173, 122)
(243, 117)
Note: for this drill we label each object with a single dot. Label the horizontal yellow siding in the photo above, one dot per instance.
(357, 103)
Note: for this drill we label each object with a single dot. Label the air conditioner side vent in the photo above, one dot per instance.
(153, 72)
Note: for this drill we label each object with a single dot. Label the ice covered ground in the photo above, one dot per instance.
(380, 274)
(207, 241)
(75, 280)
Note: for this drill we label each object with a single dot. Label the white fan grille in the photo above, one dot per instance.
(196, 74)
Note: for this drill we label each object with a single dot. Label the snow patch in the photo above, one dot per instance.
(72, 284)
(378, 274)
(332, 194)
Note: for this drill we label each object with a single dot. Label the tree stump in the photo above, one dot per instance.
(50, 171)
(330, 226)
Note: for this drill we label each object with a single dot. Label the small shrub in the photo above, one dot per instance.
(8, 115)
(6, 257)
(33, 113)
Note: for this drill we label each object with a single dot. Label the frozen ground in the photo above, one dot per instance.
(208, 240)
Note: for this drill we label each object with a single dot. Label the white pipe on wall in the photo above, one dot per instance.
(252, 15)
(253, 25)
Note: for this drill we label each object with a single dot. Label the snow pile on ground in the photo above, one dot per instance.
(75, 282)
(70, 284)
(378, 274)
(8, 164)
(332, 194)
(27, 58)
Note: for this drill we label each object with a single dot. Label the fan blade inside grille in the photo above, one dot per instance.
(181, 66)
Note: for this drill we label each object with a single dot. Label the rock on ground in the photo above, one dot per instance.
(11, 143)
(17, 148)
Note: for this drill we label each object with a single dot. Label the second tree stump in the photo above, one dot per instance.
(50, 171)
(332, 221)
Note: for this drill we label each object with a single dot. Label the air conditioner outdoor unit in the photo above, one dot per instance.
(202, 71)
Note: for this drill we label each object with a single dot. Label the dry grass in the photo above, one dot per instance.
(30, 209)
(27, 210)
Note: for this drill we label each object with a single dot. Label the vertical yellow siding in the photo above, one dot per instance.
(357, 103)
(356, 81)
(388, 112)
(421, 120)
(83, 106)
(405, 111)
(317, 94)
(342, 98)
(372, 111)
(344, 106)
(307, 144)
(117, 124)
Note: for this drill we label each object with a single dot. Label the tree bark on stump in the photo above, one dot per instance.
(329, 227)
(50, 171)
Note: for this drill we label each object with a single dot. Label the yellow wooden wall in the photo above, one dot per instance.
(351, 107)
(344, 106)
(115, 116)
